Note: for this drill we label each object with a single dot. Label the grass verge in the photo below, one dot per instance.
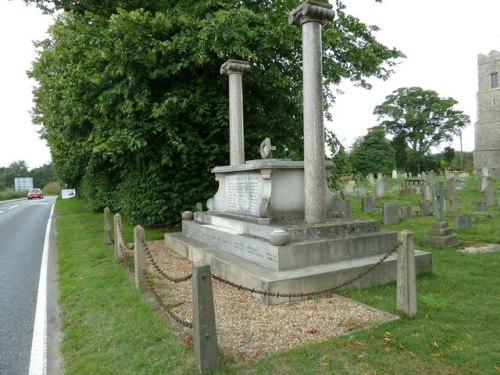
(109, 328)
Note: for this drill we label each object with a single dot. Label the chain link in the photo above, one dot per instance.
(122, 235)
(309, 294)
(158, 269)
(168, 309)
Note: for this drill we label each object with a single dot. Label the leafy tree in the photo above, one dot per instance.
(373, 153)
(421, 118)
(43, 175)
(135, 111)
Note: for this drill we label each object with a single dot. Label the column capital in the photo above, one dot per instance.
(234, 66)
(311, 11)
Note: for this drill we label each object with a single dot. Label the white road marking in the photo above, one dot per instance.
(10, 208)
(38, 360)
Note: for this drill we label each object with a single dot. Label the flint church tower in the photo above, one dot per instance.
(487, 130)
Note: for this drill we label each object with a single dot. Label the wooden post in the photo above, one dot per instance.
(406, 299)
(206, 349)
(140, 263)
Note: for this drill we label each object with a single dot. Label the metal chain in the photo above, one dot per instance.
(158, 269)
(309, 294)
(168, 309)
(122, 235)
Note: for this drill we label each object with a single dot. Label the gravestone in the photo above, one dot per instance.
(360, 192)
(447, 174)
(428, 195)
(370, 179)
(451, 189)
(390, 212)
(485, 171)
(380, 188)
(454, 204)
(484, 183)
(463, 222)
(405, 175)
(349, 188)
(489, 196)
(406, 212)
(425, 208)
(480, 206)
(273, 224)
(368, 204)
(424, 176)
(440, 235)
(431, 177)
(394, 174)
(380, 176)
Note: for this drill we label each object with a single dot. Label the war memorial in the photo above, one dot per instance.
(273, 225)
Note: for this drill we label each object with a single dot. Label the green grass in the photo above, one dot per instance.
(109, 328)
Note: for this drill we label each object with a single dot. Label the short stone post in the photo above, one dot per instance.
(406, 299)
(309, 16)
(118, 236)
(206, 348)
(108, 237)
(140, 262)
(234, 69)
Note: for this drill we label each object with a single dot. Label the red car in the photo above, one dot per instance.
(35, 193)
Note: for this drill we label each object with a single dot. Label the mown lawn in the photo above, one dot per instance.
(109, 328)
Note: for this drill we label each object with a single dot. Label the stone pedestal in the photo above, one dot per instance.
(440, 235)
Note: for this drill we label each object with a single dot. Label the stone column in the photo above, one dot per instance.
(440, 202)
(234, 69)
(406, 296)
(309, 16)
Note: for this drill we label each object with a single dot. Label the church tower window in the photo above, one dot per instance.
(494, 80)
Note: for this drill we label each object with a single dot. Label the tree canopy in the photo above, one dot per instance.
(135, 111)
(420, 118)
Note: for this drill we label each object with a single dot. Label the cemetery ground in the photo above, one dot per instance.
(110, 328)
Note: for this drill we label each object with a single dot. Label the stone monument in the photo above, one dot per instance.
(273, 224)
(440, 235)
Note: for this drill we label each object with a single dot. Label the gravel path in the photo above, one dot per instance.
(247, 328)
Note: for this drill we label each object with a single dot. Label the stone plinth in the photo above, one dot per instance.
(440, 235)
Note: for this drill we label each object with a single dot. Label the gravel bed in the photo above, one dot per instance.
(247, 328)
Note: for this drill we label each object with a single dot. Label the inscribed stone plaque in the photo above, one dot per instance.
(243, 193)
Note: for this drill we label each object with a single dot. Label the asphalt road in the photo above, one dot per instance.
(23, 226)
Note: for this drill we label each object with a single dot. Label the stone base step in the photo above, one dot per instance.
(302, 280)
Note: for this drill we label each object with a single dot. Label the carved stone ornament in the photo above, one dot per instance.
(234, 66)
(266, 149)
(311, 11)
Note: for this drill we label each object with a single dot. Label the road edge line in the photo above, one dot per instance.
(38, 359)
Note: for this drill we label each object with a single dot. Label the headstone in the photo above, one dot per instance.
(451, 188)
(360, 192)
(349, 188)
(309, 16)
(480, 206)
(484, 182)
(425, 208)
(489, 196)
(440, 203)
(379, 176)
(390, 213)
(462, 222)
(380, 188)
(424, 176)
(405, 175)
(370, 179)
(199, 207)
(410, 175)
(447, 174)
(368, 204)
(428, 195)
(454, 204)
(431, 177)
(394, 174)
(417, 190)
(485, 171)
(406, 212)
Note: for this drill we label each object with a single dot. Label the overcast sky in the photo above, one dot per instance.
(441, 39)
